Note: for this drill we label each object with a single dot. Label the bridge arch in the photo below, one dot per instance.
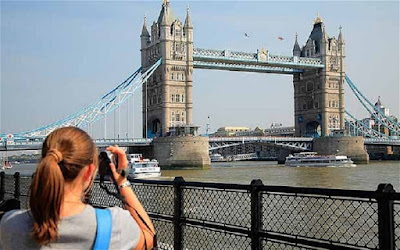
(313, 129)
(156, 127)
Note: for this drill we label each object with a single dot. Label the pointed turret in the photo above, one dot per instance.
(188, 21)
(378, 103)
(296, 48)
(164, 19)
(318, 19)
(145, 32)
(166, 16)
(145, 36)
(340, 37)
(318, 38)
(318, 33)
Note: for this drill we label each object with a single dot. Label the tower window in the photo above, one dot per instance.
(173, 98)
(310, 86)
(310, 104)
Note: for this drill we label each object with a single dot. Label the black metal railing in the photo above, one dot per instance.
(196, 215)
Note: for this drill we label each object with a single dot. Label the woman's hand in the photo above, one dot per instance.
(122, 164)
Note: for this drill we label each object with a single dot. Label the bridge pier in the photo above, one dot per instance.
(283, 153)
(182, 152)
(352, 147)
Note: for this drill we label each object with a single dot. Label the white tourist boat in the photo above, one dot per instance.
(312, 159)
(143, 168)
(217, 158)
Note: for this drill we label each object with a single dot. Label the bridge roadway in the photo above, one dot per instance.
(296, 143)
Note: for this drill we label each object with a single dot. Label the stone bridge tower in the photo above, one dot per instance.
(319, 94)
(167, 96)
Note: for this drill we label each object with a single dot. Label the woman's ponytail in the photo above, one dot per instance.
(46, 195)
(65, 152)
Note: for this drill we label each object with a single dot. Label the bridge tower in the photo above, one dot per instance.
(319, 94)
(167, 96)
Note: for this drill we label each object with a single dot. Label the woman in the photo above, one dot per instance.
(58, 216)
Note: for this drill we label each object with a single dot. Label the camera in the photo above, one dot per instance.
(105, 158)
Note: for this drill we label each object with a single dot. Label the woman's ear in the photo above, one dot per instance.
(90, 172)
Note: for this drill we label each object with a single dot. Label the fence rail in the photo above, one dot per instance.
(196, 215)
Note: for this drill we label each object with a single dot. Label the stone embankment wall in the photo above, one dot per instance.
(352, 147)
(383, 152)
(182, 152)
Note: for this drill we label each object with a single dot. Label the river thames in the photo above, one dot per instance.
(361, 177)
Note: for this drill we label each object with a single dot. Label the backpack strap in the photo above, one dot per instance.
(104, 228)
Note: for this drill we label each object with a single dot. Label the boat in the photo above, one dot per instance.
(7, 165)
(217, 158)
(143, 168)
(238, 157)
(312, 159)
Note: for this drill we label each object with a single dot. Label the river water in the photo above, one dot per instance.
(361, 177)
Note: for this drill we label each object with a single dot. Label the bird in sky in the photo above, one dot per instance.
(281, 38)
(246, 35)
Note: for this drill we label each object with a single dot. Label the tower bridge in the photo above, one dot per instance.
(168, 58)
(318, 70)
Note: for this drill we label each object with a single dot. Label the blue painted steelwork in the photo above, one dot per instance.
(362, 129)
(294, 143)
(36, 144)
(378, 141)
(210, 59)
(244, 67)
(380, 117)
(95, 111)
(241, 61)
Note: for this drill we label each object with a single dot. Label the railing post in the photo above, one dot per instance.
(256, 214)
(385, 217)
(178, 181)
(17, 186)
(2, 185)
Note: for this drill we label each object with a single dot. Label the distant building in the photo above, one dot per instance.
(277, 129)
(256, 132)
(371, 122)
(229, 131)
(368, 122)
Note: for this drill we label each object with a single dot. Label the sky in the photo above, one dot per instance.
(60, 56)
